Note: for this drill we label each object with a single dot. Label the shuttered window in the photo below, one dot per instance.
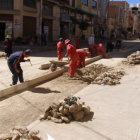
(6, 4)
(30, 3)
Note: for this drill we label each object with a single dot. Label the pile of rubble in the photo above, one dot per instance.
(19, 133)
(71, 109)
(100, 74)
(133, 59)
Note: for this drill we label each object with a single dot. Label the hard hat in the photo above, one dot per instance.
(67, 41)
(8, 36)
(28, 51)
(88, 54)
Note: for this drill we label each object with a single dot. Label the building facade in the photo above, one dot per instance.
(29, 18)
(19, 18)
(134, 20)
(125, 6)
(84, 17)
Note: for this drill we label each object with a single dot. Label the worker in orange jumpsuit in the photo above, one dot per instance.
(73, 58)
(78, 42)
(99, 48)
(82, 55)
(60, 49)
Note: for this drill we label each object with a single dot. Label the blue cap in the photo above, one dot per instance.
(28, 51)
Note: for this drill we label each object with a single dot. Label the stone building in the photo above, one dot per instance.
(29, 18)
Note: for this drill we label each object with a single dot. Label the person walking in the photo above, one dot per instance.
(14, 65)
(73, 58)
(60, 49)
(99, 48)
(92, 46)
(109, 46)
(8, 46)
(82, 56)
(78, 42)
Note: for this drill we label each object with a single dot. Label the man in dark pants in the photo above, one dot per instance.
(8, 46)
(14, 65)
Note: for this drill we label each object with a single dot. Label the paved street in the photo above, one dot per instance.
(115, 107)
(37, 59)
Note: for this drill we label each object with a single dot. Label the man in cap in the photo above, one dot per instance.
(82, 55)
(8, 46)
(14, 65)
(60, 48)
(74, 58)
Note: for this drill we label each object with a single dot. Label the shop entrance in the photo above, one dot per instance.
(2, 31)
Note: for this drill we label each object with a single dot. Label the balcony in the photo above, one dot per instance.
(65, 17)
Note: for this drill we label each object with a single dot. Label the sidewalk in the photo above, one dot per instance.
(116, 117)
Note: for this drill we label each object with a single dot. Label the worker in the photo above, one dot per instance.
(99, 48)
(8, 46)
(82, 55)
(78, 42)
(92, 45)
(73, 58)
(60, 49)
(14, 65)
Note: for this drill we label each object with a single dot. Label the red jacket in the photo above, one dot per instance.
(60, 47)
(71, 52)
(82, 55)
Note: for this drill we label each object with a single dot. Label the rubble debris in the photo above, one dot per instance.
(100, 74)
(19, 133)
(133, 59)
(71, 109)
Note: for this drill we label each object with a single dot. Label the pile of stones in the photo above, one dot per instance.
(100, 74)
(70, 109)
(109, 78)
(133, 59)
(19, 133)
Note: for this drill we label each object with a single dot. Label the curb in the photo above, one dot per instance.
(27, 84)
(40, 79)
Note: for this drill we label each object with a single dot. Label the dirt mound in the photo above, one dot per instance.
(19, 133)
(71, 109)
(133, 59)
(99, 74)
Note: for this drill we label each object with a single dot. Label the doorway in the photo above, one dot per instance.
(2, 31)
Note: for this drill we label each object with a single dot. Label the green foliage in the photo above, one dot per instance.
(71, 100)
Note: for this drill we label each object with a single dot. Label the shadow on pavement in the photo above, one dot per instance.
(88, 117)
(43, 90)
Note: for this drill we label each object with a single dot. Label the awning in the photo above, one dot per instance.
(83, 12)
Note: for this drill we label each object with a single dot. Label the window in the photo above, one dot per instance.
(47, 10)
(139, 17)
(30, 3)
(138, 12)
(6, 4)
(85, 2)
(94, 4)
(73, 3)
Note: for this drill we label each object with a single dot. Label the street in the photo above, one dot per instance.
(115, 107)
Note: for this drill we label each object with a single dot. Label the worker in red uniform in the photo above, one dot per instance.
(99, 48)
(78, 42)
(82, 55)
(73, 57)
(60, 49)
